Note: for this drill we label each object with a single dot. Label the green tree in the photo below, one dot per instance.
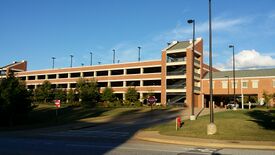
(131, 95)
(108, 95)
(15, 103)
(267, 98)
(71, 96)
(88, 91)
(43, 93)
(60, 94)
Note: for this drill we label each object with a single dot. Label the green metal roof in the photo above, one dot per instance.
(243, 73)
(180, 45)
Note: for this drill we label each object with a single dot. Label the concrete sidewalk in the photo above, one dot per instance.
(154, 136)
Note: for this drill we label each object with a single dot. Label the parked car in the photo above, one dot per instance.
(231, 105)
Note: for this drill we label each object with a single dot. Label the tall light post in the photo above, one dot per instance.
(234, 82)
(192, 116)
(227, 86)
(114, 56)
(53, 61)
(211, 127)
(71, 60)
(91, 53)
(139, 53)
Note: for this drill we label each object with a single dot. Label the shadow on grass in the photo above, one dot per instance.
(266, 119)
(101, 137)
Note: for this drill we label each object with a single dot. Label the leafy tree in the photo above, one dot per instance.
(88, 91)
(71, 96)
(131, 95)
(267, 98)
(60, 94)
(15, 103)
(44, 92)
(108, 95)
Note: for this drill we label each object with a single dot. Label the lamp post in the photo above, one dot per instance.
(227, 85)
(234, 82)
(71, 60)
(139, 53)
(211, 127)
(192, 21)
(114, 56)
(53, 61)
(91, 53)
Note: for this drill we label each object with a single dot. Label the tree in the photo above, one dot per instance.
(88, 91)
(131, 95)
(44, 92)
(267, 98)
(108, 95)
(71, 96)
(15, 103)
(60, 94)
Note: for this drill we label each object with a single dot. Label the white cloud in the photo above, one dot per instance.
(249, 59)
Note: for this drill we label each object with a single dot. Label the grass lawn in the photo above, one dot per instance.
(44, 115)
(257, 124)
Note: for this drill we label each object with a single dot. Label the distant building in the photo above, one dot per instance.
(170, 78)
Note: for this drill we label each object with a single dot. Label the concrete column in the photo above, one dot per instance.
(81, 74)
(124, 83)
(141, 83)
(140, 96)
(35, 86)
(46, 77)
(69, 75)
(141, 70)
(109, 84)
(57, 76)
(36, 77)
(124, 71)
(124, 96)
(109, 72)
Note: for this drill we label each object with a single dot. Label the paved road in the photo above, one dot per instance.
(113, 137)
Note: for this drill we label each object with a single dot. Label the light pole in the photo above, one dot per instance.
(71, 60)
(114, 56)
(227, 86)
(139, 53)
(234, 82)
(192, 21)
(53, 61)
(91, 53)
(211, 127)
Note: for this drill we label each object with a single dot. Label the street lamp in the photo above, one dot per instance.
(139, 53)
(114, 56)
(91, 53)
(234, 82)
(192, 21)
(227, 86)
(211, 127)
(53, 61)
(71, 60)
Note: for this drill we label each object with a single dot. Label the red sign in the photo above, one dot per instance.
(151, 99)
(57, 103)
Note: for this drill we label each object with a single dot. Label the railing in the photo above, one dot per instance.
(197, 88)
(197, 75)
(175, 86)
(176, 73)
(197, 61)
(175, 99)
(169, 59)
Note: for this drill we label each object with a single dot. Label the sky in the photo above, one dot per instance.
(37, 30)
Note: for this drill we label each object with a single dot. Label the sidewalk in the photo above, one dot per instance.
(154, 136)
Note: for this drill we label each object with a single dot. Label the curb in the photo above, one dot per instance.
(196, 142)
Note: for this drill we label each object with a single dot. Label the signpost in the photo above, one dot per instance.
(57, 105)
(151, 100)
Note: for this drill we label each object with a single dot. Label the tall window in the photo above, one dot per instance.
(254, 83)
(224, 84)
(244, 84)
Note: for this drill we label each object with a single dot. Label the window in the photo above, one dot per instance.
(224, 84)
(255, 84)
(244, 84)
(273, 83)
(236, 84)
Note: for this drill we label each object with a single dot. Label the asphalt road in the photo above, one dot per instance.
(113, 137)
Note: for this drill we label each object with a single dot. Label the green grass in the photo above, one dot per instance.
(44, 115)
(258, 124)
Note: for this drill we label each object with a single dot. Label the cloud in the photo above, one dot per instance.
(248, 59)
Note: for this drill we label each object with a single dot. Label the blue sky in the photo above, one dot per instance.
(36, 30)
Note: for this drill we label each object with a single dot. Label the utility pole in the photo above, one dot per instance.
(91, 53)
(114, 56)
(71, 60)
(53, 61)
(139, 53)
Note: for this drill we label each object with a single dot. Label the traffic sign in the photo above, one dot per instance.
(152, 99)
(57, 103)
